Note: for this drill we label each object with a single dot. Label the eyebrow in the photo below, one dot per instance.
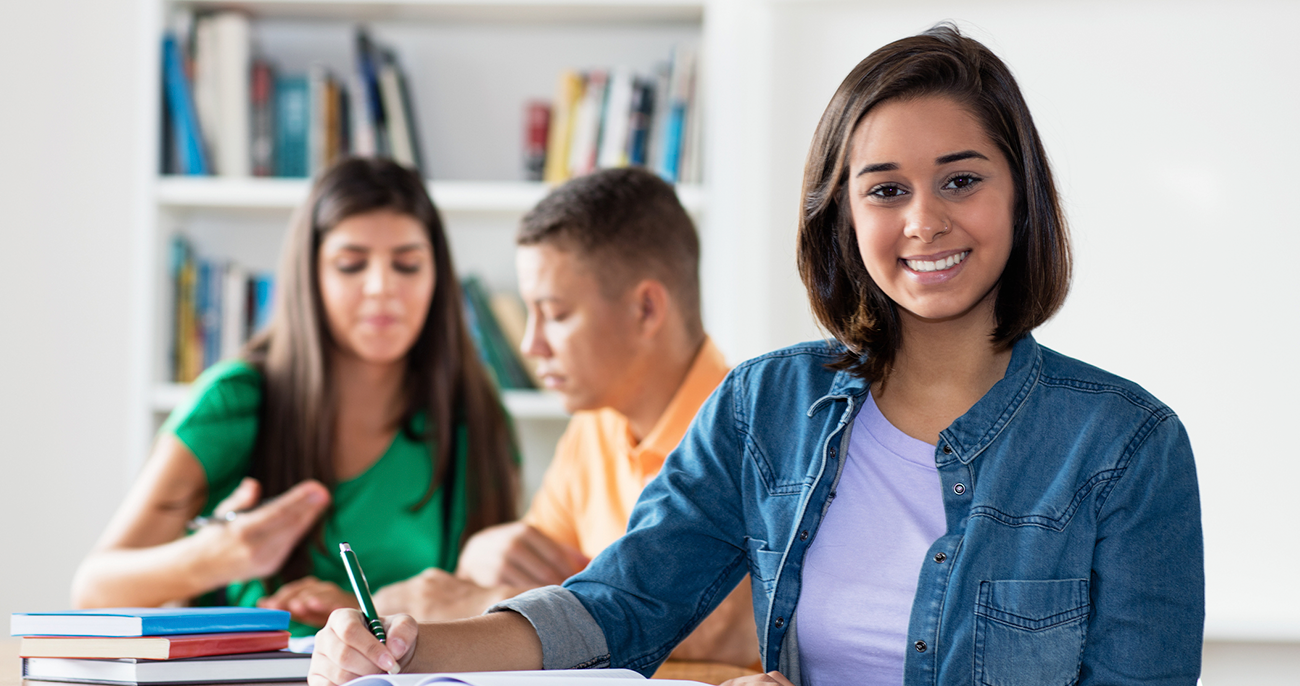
(940, 161)
(399, 249)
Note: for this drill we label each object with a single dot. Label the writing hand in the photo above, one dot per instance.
(518, 555)
(769, 678)
(309, 600)
(435, 596)
(345, 648)
(257, 542)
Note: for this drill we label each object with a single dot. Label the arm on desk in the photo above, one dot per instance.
(345, 648)
(143, 558)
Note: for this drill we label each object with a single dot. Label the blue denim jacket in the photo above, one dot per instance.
(1072, 554)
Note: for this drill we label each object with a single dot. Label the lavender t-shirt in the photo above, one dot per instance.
(860, 574)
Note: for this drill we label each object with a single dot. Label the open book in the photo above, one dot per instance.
(555, 677)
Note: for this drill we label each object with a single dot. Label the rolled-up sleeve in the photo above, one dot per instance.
(571, 638)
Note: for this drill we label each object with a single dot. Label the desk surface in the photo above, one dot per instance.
(708, 672)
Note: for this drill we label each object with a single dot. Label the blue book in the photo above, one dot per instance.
(292, 123)
(263, 291)
(185, 122)
(147, 621)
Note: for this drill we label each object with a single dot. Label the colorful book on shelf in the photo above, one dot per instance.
(367, 60)
(274, 666)
(568, 94)
(186, 136)
(399, 113)
(147, 621)
(153, 647)
(537, 123)
(263, 125)
(584, 141)
(495, 349)
(292, 122)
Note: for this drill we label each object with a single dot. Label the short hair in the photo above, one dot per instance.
(625, 224)
(844, 298)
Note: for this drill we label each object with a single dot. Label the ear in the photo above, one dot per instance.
(650, 300)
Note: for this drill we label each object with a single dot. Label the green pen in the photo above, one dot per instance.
(362, 589)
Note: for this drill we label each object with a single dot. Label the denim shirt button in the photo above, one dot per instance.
(958, 489)
(920, 646)
(780, 622)
(947, 449)
(831, 452)
(803, 535)
(940, 557)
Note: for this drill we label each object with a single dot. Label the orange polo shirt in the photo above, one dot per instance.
(597, 473)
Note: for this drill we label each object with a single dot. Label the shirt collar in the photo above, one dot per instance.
(706, 372)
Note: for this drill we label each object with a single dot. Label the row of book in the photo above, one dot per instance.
(616, 118)
(217, 305)
(137, 646)
(230, 113)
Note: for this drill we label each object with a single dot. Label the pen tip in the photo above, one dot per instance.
(345, 548)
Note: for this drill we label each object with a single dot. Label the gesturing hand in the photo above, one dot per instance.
(518, 555)
(256, 542)
(309, 600)
(345, 648)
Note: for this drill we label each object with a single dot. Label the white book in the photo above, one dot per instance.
(555, 677)
(234, 310)
(399, 129)
(233, 87)
(280, 665)
(206, 98)
(614, 123)
(363, 124)
(316, 133)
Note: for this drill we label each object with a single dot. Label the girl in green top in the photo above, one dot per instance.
(360, 414)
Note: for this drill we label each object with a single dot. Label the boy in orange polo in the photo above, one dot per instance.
(609, 268)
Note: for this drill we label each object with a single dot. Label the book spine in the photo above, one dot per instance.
(639, 127)
(188, 140)
(399, 130)
(537, 123)
(234, 314)
(263, 103)
(568, 93)
(586, 125)
(291, 124)
(615, 121)
(206, 98)
(232, 70)
(368, 72)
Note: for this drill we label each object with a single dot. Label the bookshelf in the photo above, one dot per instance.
(471, 66)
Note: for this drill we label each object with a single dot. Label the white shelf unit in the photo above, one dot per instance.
(471, 66)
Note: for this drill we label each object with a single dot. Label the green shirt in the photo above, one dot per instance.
(372, 511)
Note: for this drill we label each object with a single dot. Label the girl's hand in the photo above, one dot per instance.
(258, 540)
(345, 648)
(436, 596)
(309, 600)
(772, 677)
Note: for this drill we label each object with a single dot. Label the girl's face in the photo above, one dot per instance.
(376, 276)
(932, 201)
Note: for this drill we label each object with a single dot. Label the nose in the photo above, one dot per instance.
(378, 279)
(534, 343)
(926, 218)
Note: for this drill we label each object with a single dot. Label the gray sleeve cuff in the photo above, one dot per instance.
(571, 638)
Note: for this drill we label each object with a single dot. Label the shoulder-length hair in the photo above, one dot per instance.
(444, 382)
(845, 299)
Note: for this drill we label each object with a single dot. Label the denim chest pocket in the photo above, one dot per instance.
(1030, 633)
(763, 563)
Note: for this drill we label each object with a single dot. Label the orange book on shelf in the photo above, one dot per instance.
(153, 647)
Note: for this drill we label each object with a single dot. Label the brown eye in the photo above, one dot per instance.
(887, 191)
(962, 182)
(350, 266)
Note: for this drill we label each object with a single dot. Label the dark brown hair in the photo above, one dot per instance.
(444, 380)
(845, 299)
(626, 224)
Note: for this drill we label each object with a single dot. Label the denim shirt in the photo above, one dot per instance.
(1072, 554)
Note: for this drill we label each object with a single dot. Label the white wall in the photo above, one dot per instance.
(67, 145)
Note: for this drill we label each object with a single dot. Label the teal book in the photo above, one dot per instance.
(147, 621)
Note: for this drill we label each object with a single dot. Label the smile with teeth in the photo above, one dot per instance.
(937, 265)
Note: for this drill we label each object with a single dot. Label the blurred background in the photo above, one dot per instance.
(1171, 126)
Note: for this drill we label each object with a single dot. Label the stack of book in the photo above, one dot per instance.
(216, 306)
(228, 112)
(137, 646)
(615, 118)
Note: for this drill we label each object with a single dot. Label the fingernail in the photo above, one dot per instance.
(387, 664)
(398, 645)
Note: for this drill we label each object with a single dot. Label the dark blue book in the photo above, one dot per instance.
(292, 123)
(147, 621)
(188, 142)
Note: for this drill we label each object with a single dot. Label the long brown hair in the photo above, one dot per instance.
(444, 379)
(844, 297)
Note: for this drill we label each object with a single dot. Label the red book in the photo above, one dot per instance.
(537, 125)
(153, 647)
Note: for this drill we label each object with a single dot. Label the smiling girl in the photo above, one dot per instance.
(932, 498)
(361, 414)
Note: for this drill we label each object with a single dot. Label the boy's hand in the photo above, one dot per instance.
(345, 648)
(517, 555)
